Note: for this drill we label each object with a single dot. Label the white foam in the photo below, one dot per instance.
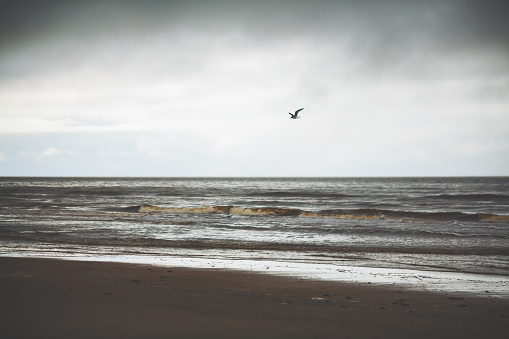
(444, 282)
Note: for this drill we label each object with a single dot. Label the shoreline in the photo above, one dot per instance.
(468, 283)
(51, 298)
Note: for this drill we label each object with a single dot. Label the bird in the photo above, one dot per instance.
(294, 116)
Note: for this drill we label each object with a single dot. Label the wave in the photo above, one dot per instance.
(299, 194)
(94, 192)
(385, 232)
(473, 197)
(405, 215)
(223, 209)
(144, 244)
(368, 213)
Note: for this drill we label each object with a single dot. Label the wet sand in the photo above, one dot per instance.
(44, 298)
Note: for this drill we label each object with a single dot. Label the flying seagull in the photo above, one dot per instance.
(294, 116)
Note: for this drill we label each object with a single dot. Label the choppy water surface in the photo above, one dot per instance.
(442, 225)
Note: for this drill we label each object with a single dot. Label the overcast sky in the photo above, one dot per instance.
(203, 88)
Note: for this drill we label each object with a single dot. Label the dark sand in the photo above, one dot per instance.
(43, 298)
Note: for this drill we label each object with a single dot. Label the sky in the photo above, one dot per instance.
(204, 88)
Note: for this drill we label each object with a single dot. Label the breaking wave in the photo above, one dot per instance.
(367, 213)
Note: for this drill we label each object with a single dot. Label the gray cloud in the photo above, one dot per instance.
(378, 23)
(380, 34)
(404, 83)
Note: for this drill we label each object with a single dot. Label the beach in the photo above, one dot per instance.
(254, 257)
(46, 298)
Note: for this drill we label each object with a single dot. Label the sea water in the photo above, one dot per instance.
(426, 233)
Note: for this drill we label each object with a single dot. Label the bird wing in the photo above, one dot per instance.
(297, 111)
(291, 114)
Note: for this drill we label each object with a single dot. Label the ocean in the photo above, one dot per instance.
(441, 234)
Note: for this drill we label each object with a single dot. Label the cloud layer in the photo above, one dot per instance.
(203, 88)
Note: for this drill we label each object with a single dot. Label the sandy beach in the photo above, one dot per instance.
(45, 298)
